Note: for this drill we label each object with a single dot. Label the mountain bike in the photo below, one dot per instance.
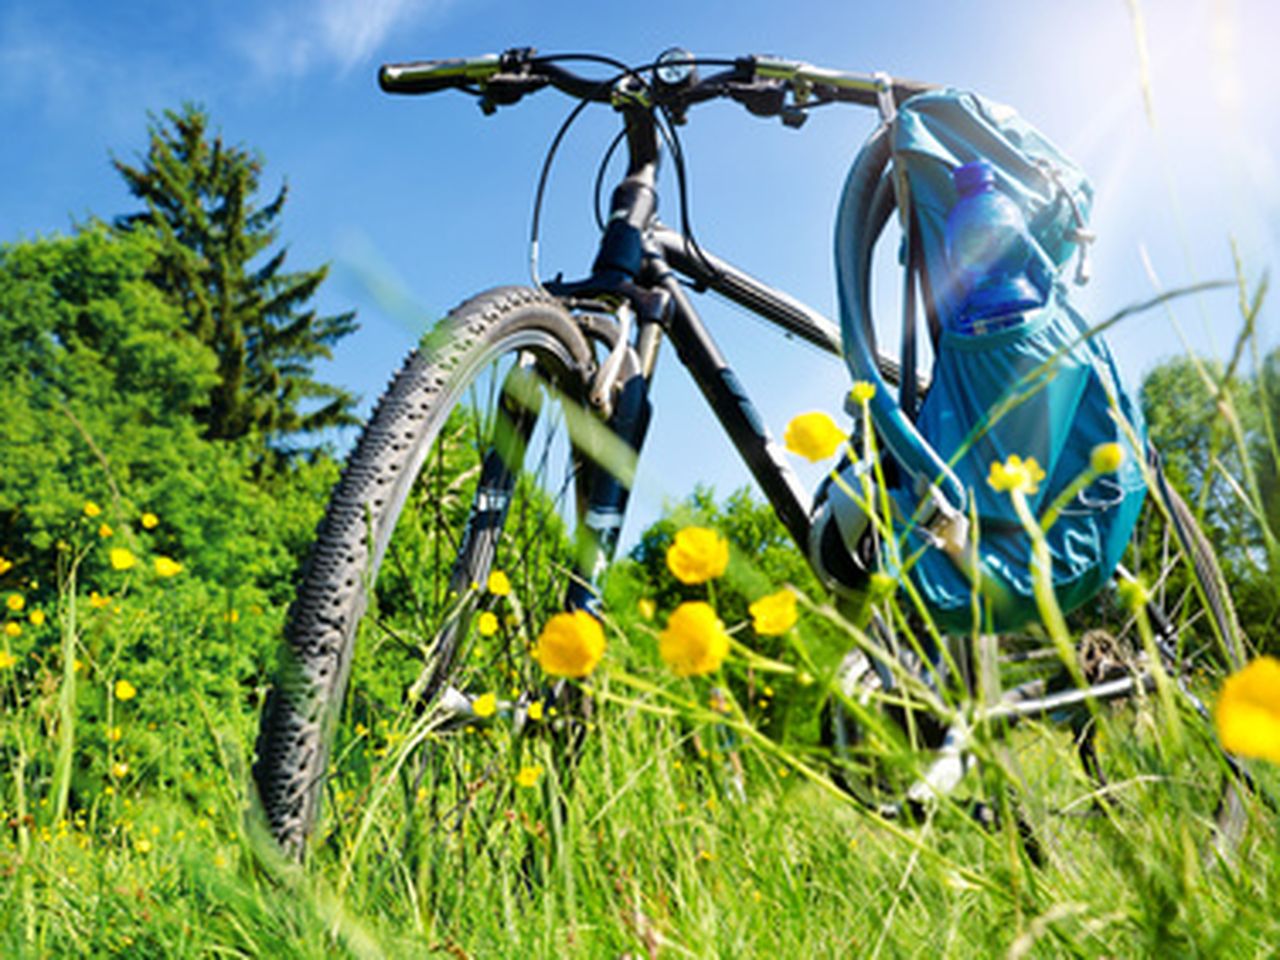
(489, 487)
